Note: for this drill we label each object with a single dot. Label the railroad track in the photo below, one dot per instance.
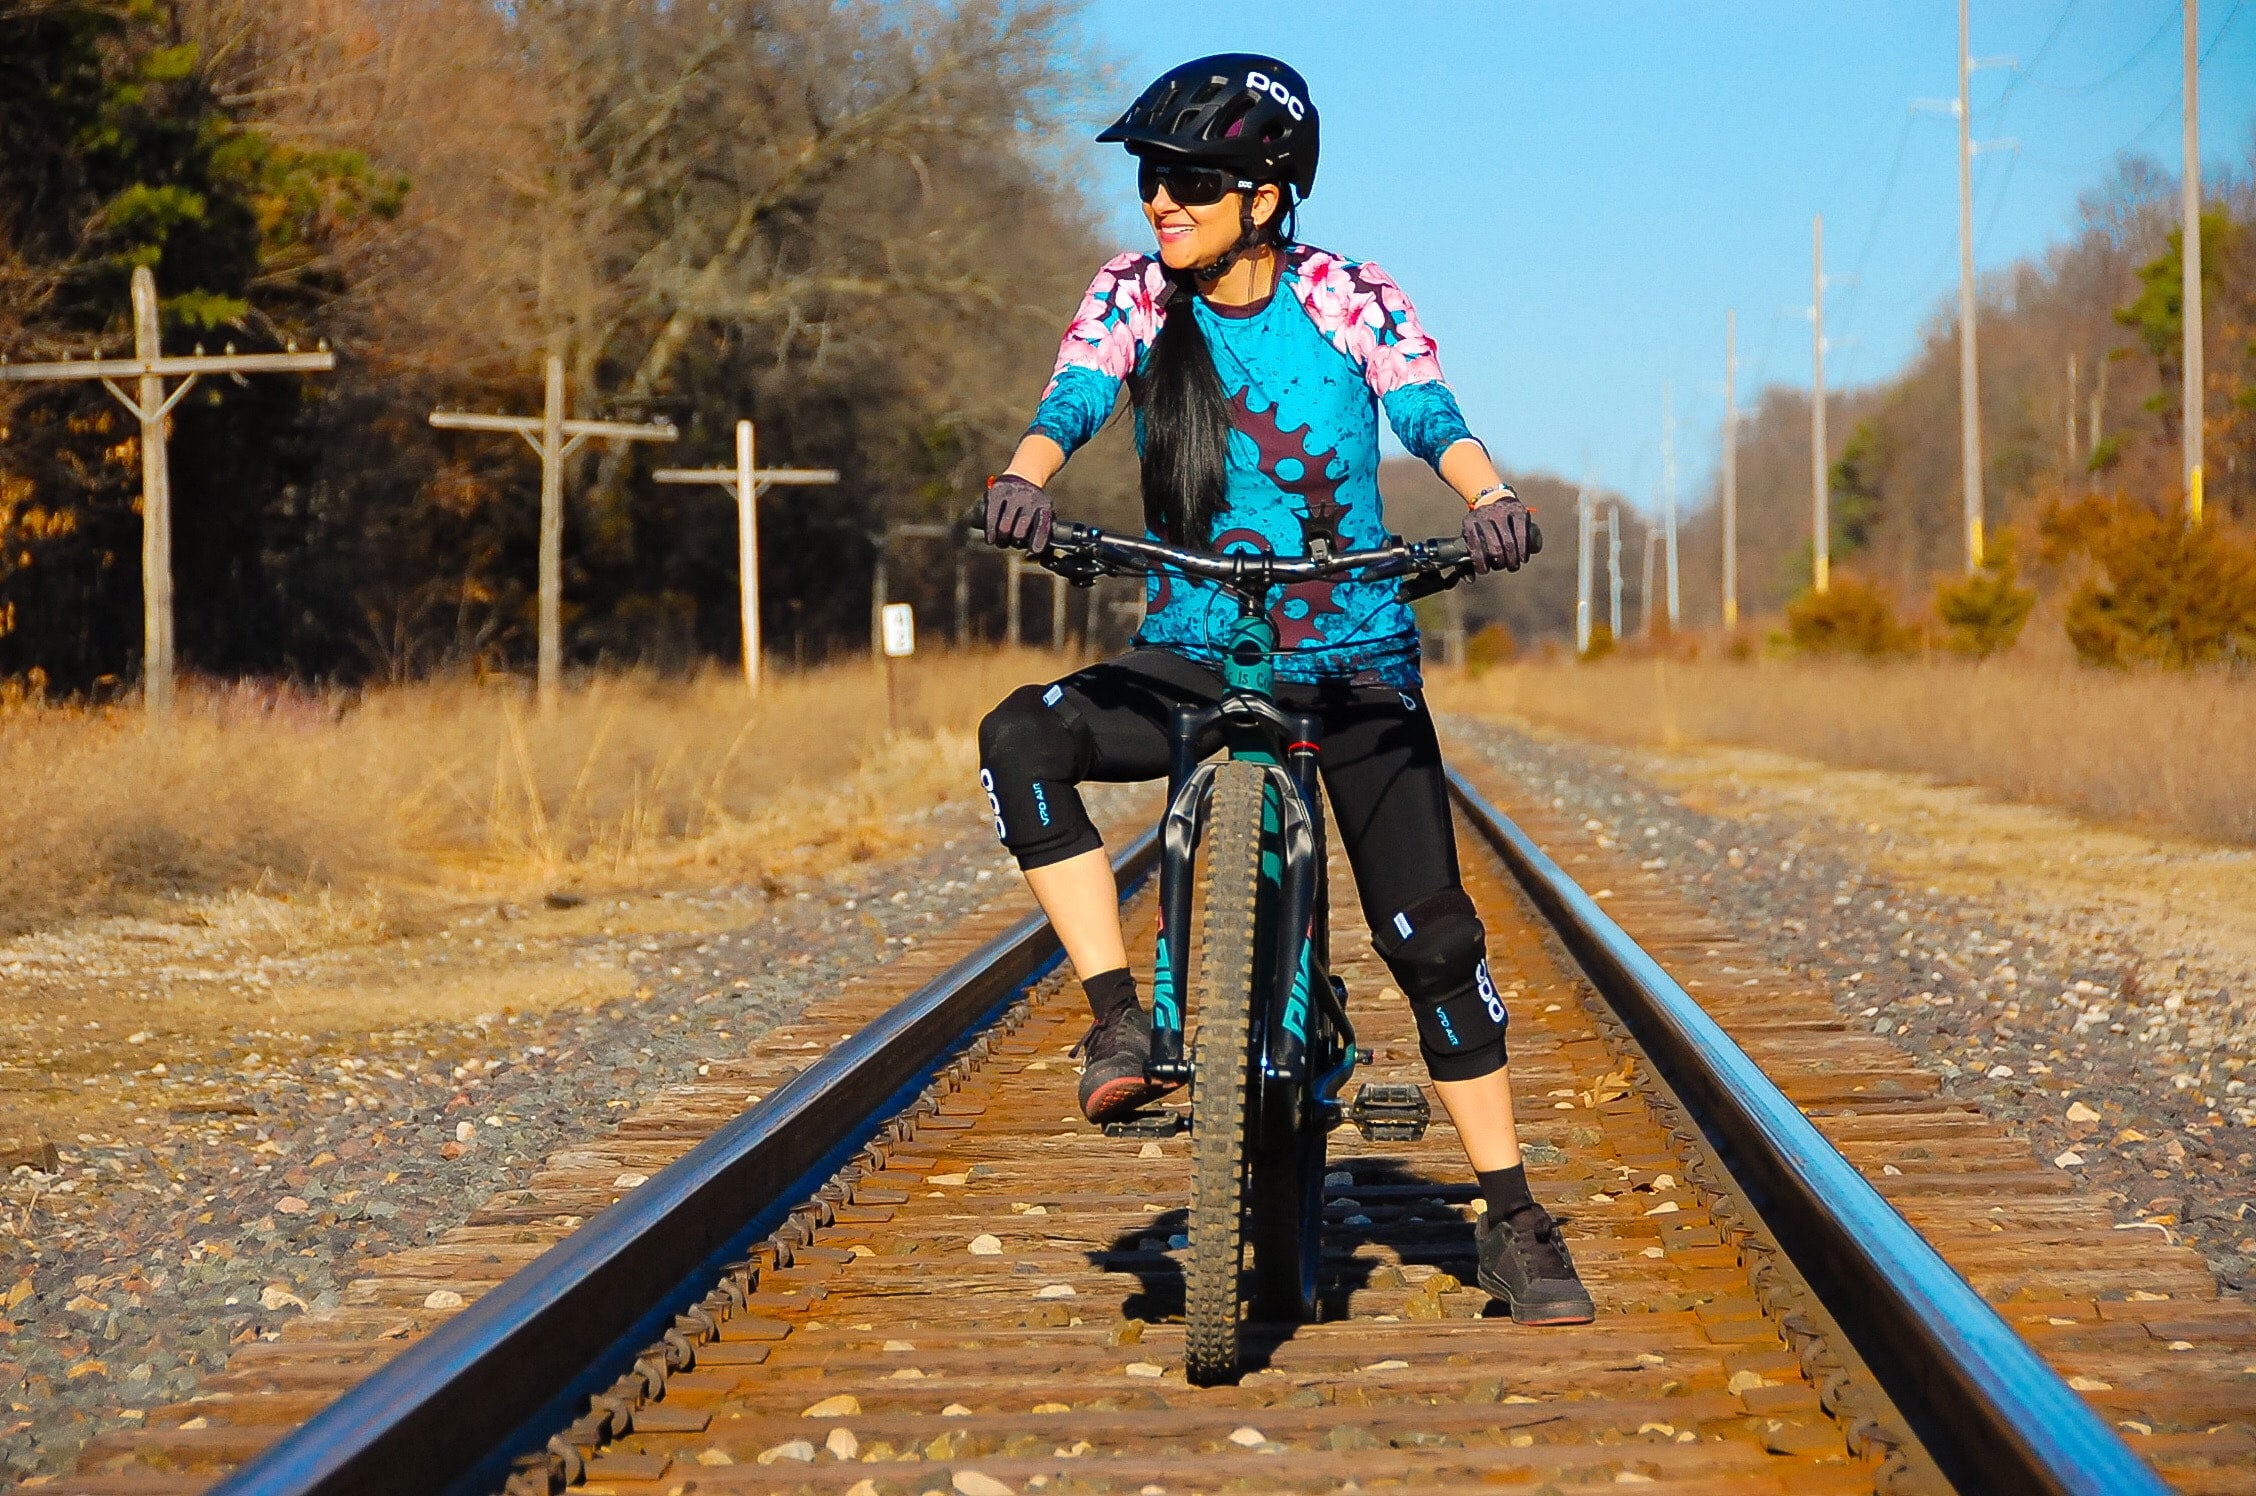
(910, 1267)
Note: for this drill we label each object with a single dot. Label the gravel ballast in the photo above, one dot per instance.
(129, 1272)
(2120, 1058)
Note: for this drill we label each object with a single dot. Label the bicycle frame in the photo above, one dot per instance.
(1296, 976)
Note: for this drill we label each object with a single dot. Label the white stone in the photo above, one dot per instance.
(986, 1244)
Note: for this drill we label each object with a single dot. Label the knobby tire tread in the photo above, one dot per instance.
(1213, 1305)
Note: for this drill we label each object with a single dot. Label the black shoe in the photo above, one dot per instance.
(1113, 1055)
(1524, 1262)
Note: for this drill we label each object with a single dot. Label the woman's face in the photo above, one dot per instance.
(1201, 235)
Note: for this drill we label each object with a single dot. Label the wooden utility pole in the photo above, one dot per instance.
(152, 406)
(745, 484)
(1730, 469)
(1014, 572)
(1821, 518)
(1969, 365)
(2189, 262)
(555, 439)
(1613, 570)
(1645, 588)
(1668, 492)
(1585, 541)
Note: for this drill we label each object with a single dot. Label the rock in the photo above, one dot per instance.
(844, 1405)
(274, 1296)
(1127, 1332)
(630, 1181)
(291, 1205)
(2068, 1159)
(1053, 1407)
(714, 1457)
(1387, 1275)
(2078, 1112)
(1746, 1381)
(38, 1154)
(465, 1132)
(973, 1483)
(1346, 1436)
(955, 1410)
(986, 1244)
(842, 1444)
(1056, 1291)
(442, 1298)
(2090, 1384)
(1148, 1369)
(798, 1450)
(1248, 1437)
(862, 1488)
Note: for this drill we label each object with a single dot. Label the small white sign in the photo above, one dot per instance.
(900, 630)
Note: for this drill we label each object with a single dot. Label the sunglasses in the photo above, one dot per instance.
(1187, 186)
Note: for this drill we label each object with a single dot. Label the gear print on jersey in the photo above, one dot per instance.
(1306, 374)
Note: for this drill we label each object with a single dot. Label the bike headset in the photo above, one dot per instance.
(1242, 112)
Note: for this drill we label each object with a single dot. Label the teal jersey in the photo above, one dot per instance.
(1306, 374)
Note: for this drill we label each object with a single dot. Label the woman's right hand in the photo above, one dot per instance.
(1018, 513)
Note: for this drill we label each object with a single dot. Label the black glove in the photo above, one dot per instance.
(1501, 533)
(1018, 513)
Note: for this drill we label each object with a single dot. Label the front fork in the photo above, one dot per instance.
(1298, 966)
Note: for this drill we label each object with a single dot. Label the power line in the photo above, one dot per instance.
(2043, 47)
(2108, 80)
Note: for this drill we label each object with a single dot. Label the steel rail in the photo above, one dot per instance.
(450, 1411)
(1993, 1415)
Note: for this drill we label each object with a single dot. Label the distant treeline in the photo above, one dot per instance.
(2080, 376)
(854, 222)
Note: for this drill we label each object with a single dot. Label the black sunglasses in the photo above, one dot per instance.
(1187, 185)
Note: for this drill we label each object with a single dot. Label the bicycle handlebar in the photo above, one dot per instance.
(1083, 552)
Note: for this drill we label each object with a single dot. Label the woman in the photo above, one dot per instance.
(1257, 367)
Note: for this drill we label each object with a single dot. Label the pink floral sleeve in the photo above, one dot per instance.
(1367, 317)
(1116, 322)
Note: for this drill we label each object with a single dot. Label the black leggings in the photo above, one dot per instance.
(1382, 774)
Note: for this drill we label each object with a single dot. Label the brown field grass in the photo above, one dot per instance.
(350, 807)
(2175, 749)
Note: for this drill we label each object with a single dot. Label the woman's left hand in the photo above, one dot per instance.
(1502, 533)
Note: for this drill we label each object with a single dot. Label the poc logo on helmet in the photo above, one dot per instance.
(1263, 83)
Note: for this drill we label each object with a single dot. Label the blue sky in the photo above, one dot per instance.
(1574, 193)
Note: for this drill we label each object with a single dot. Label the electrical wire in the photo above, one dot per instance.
(2109, 79)
(2025, 73)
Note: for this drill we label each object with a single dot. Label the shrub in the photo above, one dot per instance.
(1984, 612)
(2162, 592)
(1853, 617)
(1490, 647)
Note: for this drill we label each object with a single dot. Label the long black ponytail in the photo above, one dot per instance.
(1186, 414)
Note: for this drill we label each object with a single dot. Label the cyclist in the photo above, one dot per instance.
(1257, 366)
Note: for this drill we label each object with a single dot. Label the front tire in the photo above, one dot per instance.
(1213, 1303)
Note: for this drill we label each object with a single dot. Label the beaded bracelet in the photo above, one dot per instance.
(1500, 491)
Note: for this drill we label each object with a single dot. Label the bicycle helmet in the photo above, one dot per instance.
(1238, 110)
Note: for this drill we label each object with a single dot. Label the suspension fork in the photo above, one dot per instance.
(1298, 952)
(1186, 792)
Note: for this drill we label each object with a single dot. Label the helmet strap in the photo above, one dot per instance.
(1249, 239)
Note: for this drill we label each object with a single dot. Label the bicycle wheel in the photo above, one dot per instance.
(1288, 1206)
(1212, 1307)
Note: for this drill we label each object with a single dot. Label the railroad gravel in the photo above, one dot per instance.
(2122, 1055)
(132, 1266)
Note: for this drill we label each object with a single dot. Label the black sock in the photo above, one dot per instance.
(1110, 993)
(1505, 1190)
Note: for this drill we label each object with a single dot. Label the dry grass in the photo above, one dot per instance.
(2174, 749)
(348, 808)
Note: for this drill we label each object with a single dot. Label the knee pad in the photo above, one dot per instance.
(1029, 759)
(1437, 950)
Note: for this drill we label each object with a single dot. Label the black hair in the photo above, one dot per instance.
(1186, 415)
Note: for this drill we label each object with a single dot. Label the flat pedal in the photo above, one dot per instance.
(1390, 1113)
(1148, 1125)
